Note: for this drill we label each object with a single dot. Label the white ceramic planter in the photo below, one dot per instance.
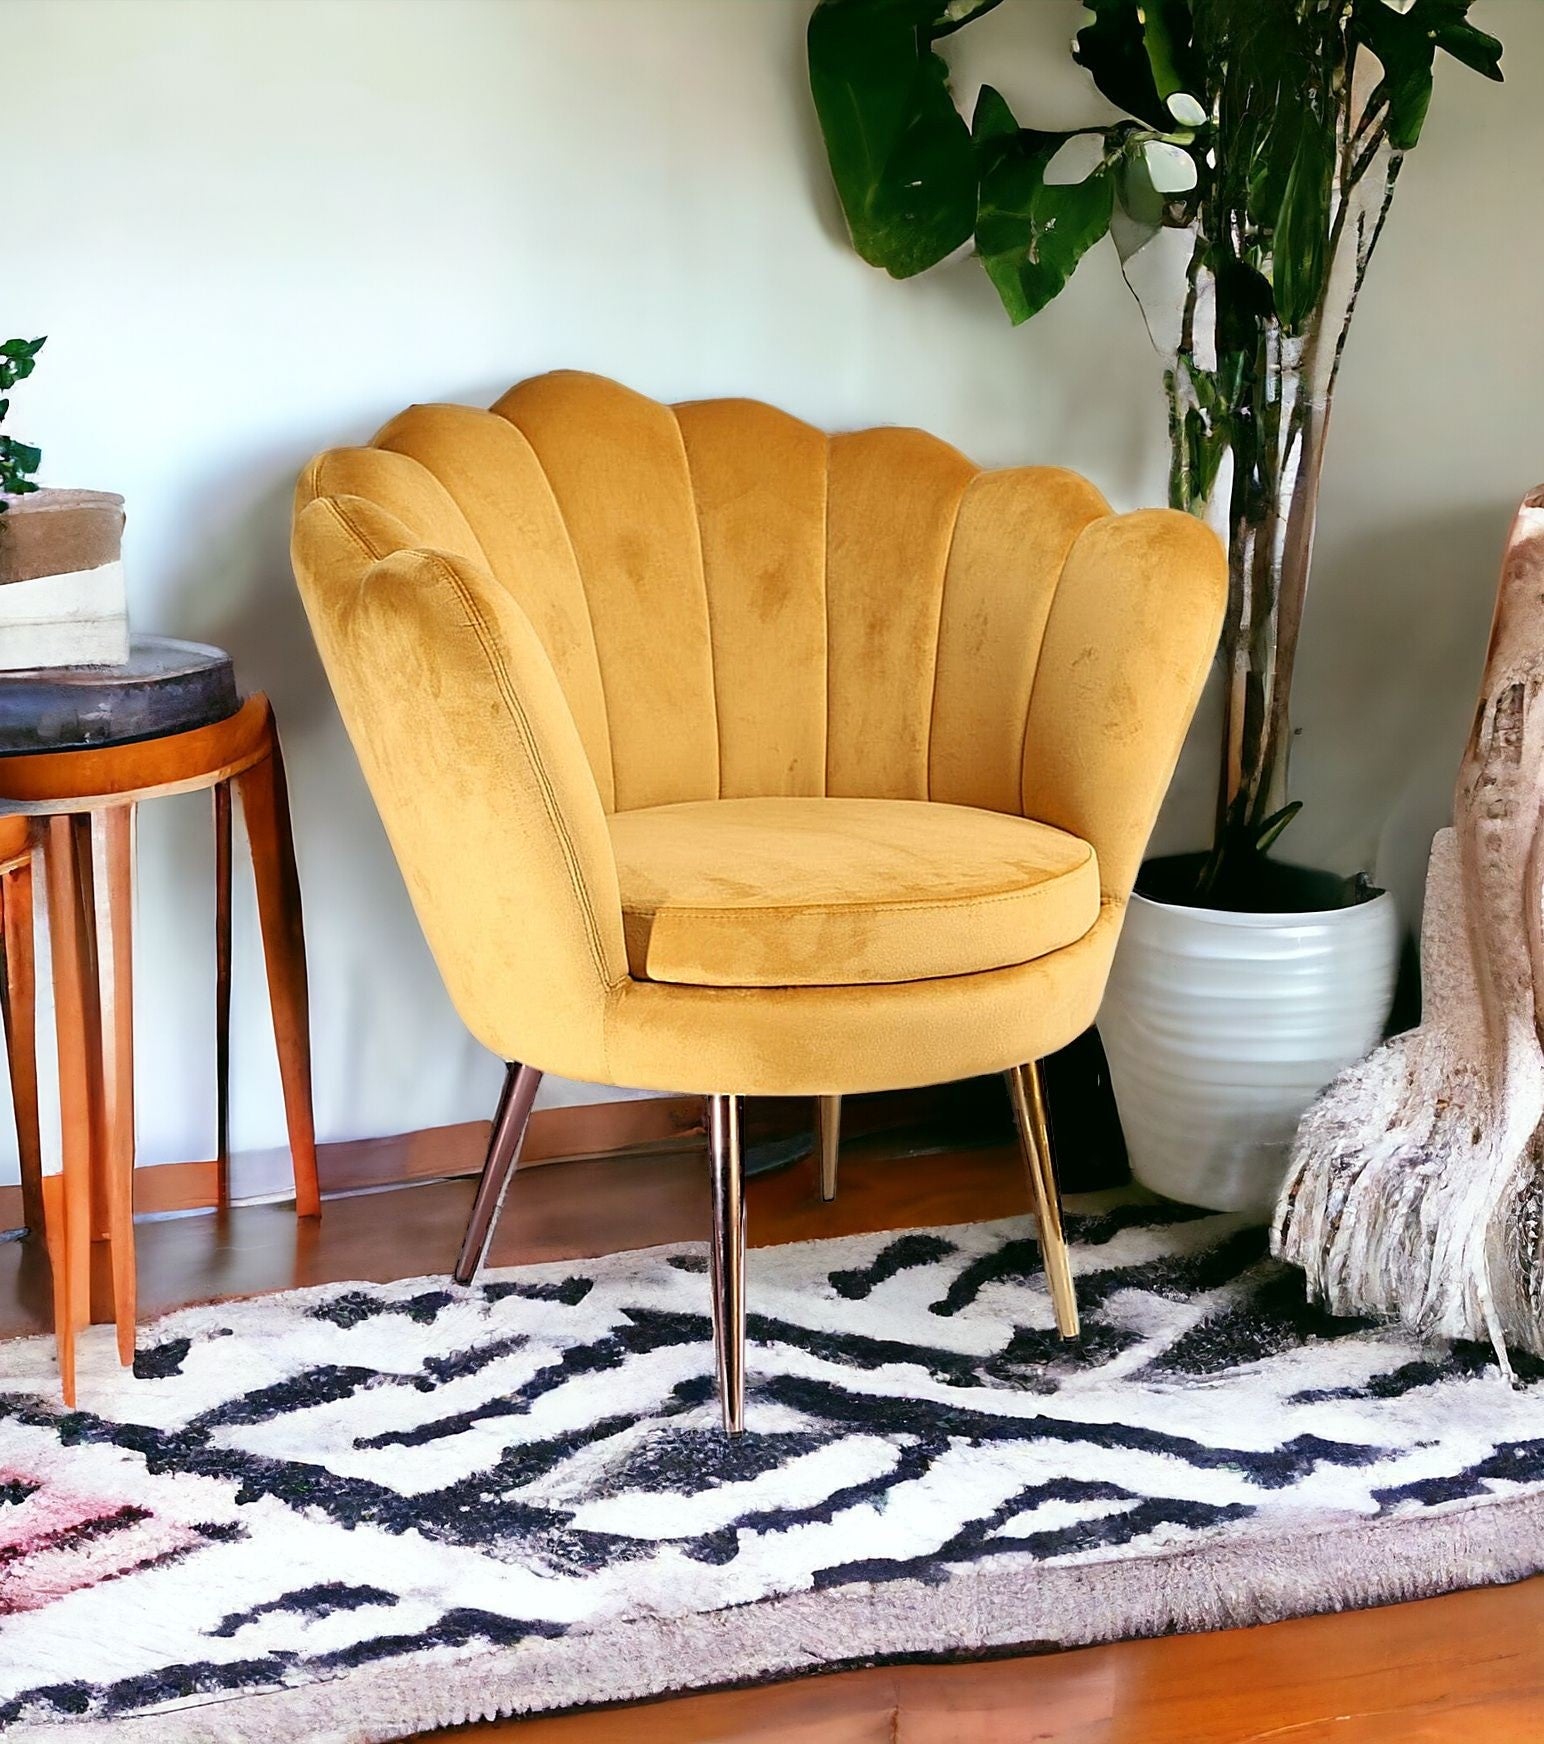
(1221, 1028)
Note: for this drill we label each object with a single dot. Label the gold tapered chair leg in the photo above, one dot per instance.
(828, 1129)
(1027, 1094)
(727, 1250)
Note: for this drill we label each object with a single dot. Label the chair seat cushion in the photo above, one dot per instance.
(843, 892)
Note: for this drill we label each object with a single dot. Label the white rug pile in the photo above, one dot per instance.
(356, 1512)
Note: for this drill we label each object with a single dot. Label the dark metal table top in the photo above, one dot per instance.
(166, 687)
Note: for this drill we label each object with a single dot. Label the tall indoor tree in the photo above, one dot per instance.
(1272, 134)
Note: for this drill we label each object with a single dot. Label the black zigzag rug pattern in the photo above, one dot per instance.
(359, 1511)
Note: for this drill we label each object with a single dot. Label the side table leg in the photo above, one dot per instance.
(69, 1193)
(265, 805)
(20, 1009)
(91, 1008)
(222, 990)
(112, 853)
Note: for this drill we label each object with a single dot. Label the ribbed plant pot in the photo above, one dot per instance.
(1221, 1028)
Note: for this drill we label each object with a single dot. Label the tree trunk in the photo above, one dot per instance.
(1272, 416)
(1270, 531)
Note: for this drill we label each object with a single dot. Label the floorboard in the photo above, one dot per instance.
(1457, 1670)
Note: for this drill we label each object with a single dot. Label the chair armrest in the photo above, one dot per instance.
(476, 765)
(1130, 638)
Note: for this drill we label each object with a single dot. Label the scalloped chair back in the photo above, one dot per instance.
(723, 755)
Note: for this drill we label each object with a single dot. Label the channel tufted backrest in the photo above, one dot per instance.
(735, 604)
(583, 602)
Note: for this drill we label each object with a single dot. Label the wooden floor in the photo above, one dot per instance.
(1456, 1670)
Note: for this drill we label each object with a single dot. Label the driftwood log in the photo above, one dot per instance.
(1416, 1184)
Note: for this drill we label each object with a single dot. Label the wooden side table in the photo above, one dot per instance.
(77, 806)
(18, 1006)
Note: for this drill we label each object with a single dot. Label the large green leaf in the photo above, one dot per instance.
(900, 151)
(1031, 236)
(1275, 65)
(1113, 47)
(1406, 53)
(1167, 36)
(1406, 45)
(1300, 249)
(1475, 48)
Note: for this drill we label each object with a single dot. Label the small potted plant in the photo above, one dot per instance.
(62, 600)
(1271, 136)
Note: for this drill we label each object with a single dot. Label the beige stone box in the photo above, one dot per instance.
(62, 600)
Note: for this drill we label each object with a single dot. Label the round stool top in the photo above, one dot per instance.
(166, 687)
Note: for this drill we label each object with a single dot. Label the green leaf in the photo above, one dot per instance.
(1166, 36)
(17, 360)
(1030, 236)
(1270, 830)
(1114, 50)
(1138, 214)
(900, 152)
(1405, 51)
(993, 118)
(1300, 251)
(1199, 441)
(1478, 51)
(1406, 45)
(956, 14)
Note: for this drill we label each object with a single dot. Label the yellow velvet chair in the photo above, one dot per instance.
(720, 755)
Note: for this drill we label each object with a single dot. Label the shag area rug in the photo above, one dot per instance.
(356, 1512)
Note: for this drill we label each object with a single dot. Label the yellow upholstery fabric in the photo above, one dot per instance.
(759, 479)
(1118, 680)
(1011, 538)
(616, 466)
(813, 1041)
(485, 790)
(892, 498)
(792, 892)
(496, 480)
(552, 626)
